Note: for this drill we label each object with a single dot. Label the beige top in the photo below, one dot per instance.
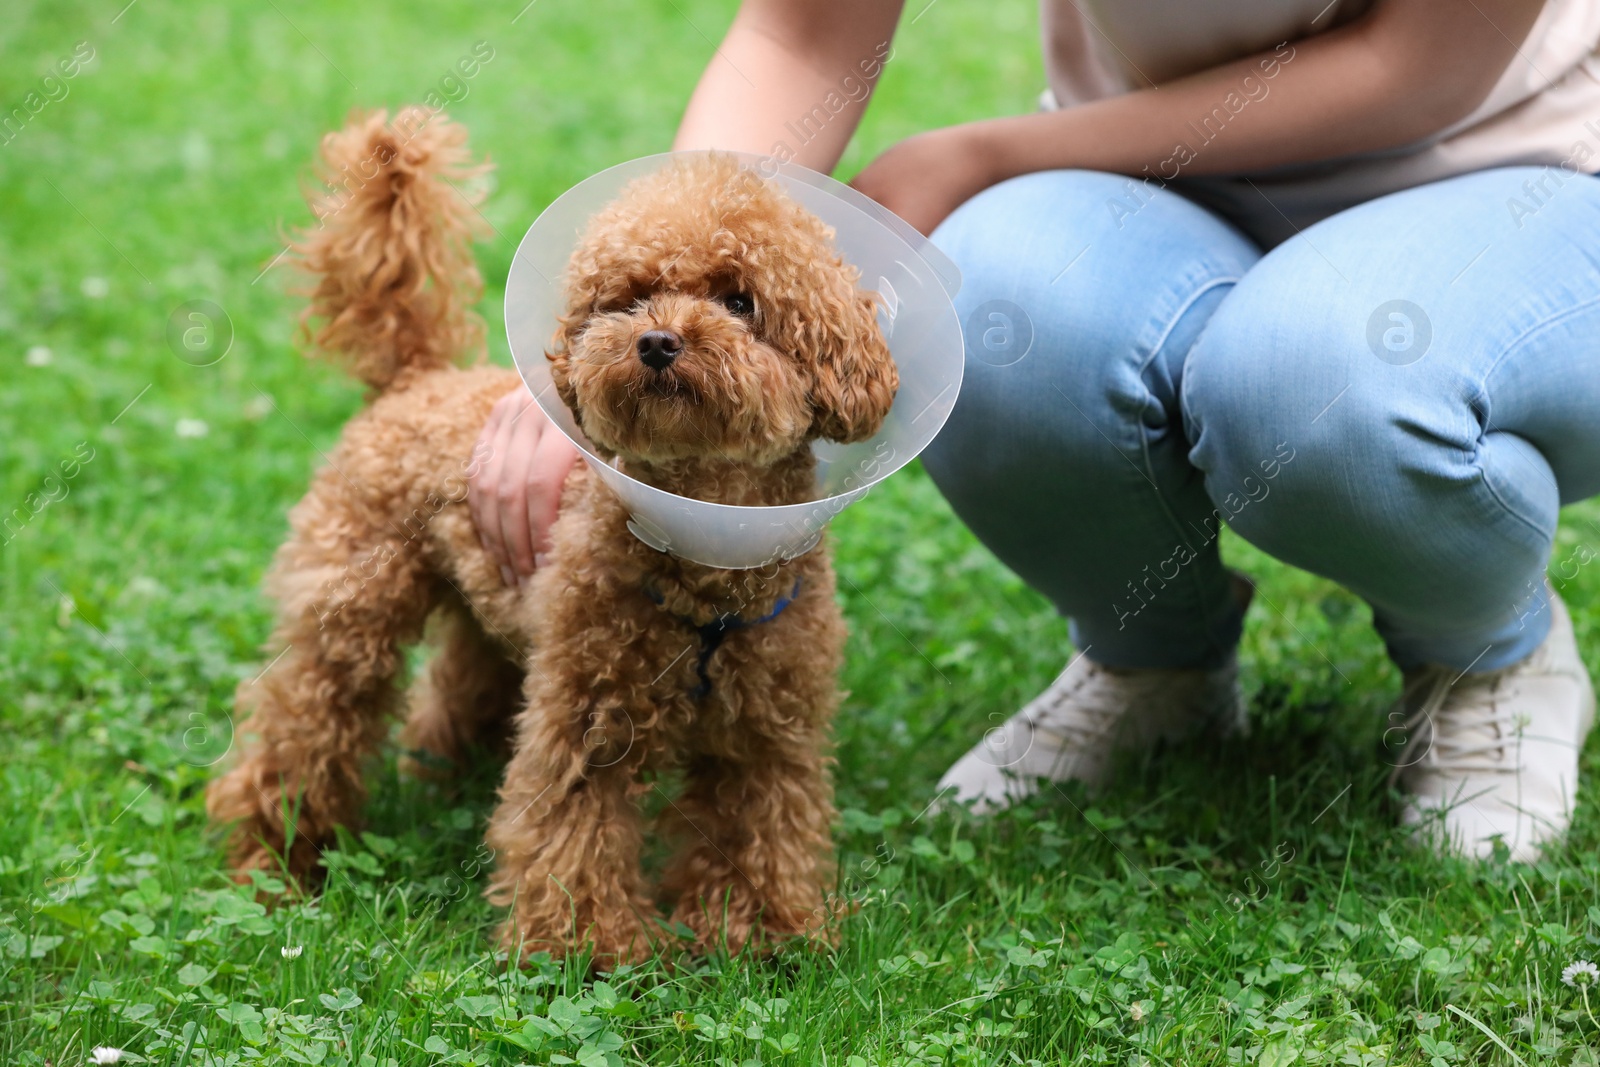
(1544, 110)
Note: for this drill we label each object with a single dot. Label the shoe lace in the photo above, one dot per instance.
(1086, 707)
(1460, 723)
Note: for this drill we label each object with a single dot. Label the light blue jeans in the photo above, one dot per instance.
(1399, 399)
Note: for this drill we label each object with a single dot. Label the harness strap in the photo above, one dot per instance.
(713, 633)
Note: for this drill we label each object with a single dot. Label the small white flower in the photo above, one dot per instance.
(39, 356)
(1136, 1012)
(95, 288)
(105, 1054)
(191, 428)
(143, 585)
(1581, 973)
(291, 951)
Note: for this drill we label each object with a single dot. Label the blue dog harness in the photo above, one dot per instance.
(713, 632)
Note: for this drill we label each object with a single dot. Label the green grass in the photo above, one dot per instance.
(1246, 902)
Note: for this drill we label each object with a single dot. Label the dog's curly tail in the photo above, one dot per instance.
(391, 252)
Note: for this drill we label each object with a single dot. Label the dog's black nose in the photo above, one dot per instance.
(658, 348)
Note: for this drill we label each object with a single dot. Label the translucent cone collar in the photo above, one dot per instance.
(919, 322)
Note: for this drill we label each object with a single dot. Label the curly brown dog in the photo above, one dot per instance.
(711, 333)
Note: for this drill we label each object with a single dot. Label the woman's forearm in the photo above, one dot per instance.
(791, 78)
(1378, 83)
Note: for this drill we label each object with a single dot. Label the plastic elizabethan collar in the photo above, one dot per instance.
(919, 322)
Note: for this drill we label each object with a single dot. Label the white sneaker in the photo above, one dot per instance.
(1089, 714)
(1495, 755)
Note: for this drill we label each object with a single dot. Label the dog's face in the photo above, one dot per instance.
(708, 315)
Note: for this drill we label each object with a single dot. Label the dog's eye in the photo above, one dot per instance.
(738, 303)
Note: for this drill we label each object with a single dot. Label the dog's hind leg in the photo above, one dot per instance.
(466, 697)
(351, 592)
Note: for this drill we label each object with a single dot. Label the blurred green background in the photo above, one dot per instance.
(1141, 928)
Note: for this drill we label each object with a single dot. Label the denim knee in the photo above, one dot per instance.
(1358, 464)
(1068, 297)
(1064, 453)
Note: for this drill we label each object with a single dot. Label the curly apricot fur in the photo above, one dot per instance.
(597, 658)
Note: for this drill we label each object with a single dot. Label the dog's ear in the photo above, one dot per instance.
(854, 378)
(583, 294)
(560, 356)
(591, 282)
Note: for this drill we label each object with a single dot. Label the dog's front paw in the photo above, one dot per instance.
(731, 921)
(428, 765)
(299, 872)
(257, 838)
(620, 940)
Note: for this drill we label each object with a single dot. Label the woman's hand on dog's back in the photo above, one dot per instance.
(800, 52)
(514, 491)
